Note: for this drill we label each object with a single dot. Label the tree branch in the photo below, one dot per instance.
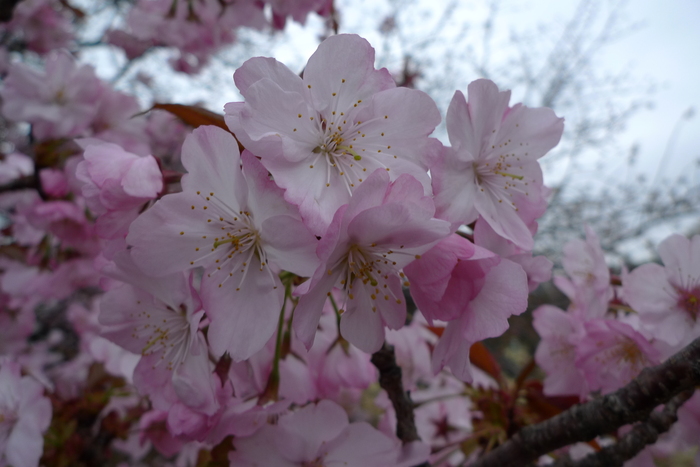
(390, 380)
(6, 9)
(632, 403)
(638, 438)
(21, 183)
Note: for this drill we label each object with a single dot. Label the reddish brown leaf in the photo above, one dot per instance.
(547, 406)
(436, 330)
(193, 115)
(196, 116)
(480, 357)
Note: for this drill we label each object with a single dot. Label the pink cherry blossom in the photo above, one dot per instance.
(151, 316)
(67, 222)
(132, 46)
(159, 318)
(492, 169)
(117, 121)
(116, 185)
(196, 29)
(25, 415)
(41, 26)
(668, 298)
(234, 222)
(443, 423)
(17, 322)
(59, 102)
(560, 333)
(331, 369)
(385, 226)
(54, 182)
(611, 354)
(473, 289)
(297, 9)
(588, 283)
(320, 434)
(15, 165)
(334, 364)
(333, 127)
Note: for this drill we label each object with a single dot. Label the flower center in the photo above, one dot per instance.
(165, 330)
(369, 269)
(501, 177)
(689, 300)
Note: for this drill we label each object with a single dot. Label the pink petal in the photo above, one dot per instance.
(244, 309)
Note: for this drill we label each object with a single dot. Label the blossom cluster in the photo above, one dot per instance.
(616, 327)
(224, 299)
(199, 28)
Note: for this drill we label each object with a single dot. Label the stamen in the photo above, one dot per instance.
(506, 174)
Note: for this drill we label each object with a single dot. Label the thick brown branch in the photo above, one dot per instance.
(642, 435)
(632, 403)
(390, 380)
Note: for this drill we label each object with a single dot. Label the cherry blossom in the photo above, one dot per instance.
(473, 289)
(149, 316)
(233, 221)
(116, 184)
(41, 26)
(320, 434)
(196, 29)
(560, 333)
(588, 283)
(385, 226)
(668, 298)
(25, 415)
(59, 102)
(333, 127)
(297, 9)
(611, 354)
(15, 165)
(491, 169)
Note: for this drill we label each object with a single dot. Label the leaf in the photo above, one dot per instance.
(196, 116)
(547, 406)
(436, 330)
(480, 357)
(193, 115)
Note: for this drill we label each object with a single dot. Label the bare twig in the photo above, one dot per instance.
(632, 403)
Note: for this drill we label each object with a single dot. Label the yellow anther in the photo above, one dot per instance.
(506, 174)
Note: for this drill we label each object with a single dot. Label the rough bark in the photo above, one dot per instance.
(632, 403)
